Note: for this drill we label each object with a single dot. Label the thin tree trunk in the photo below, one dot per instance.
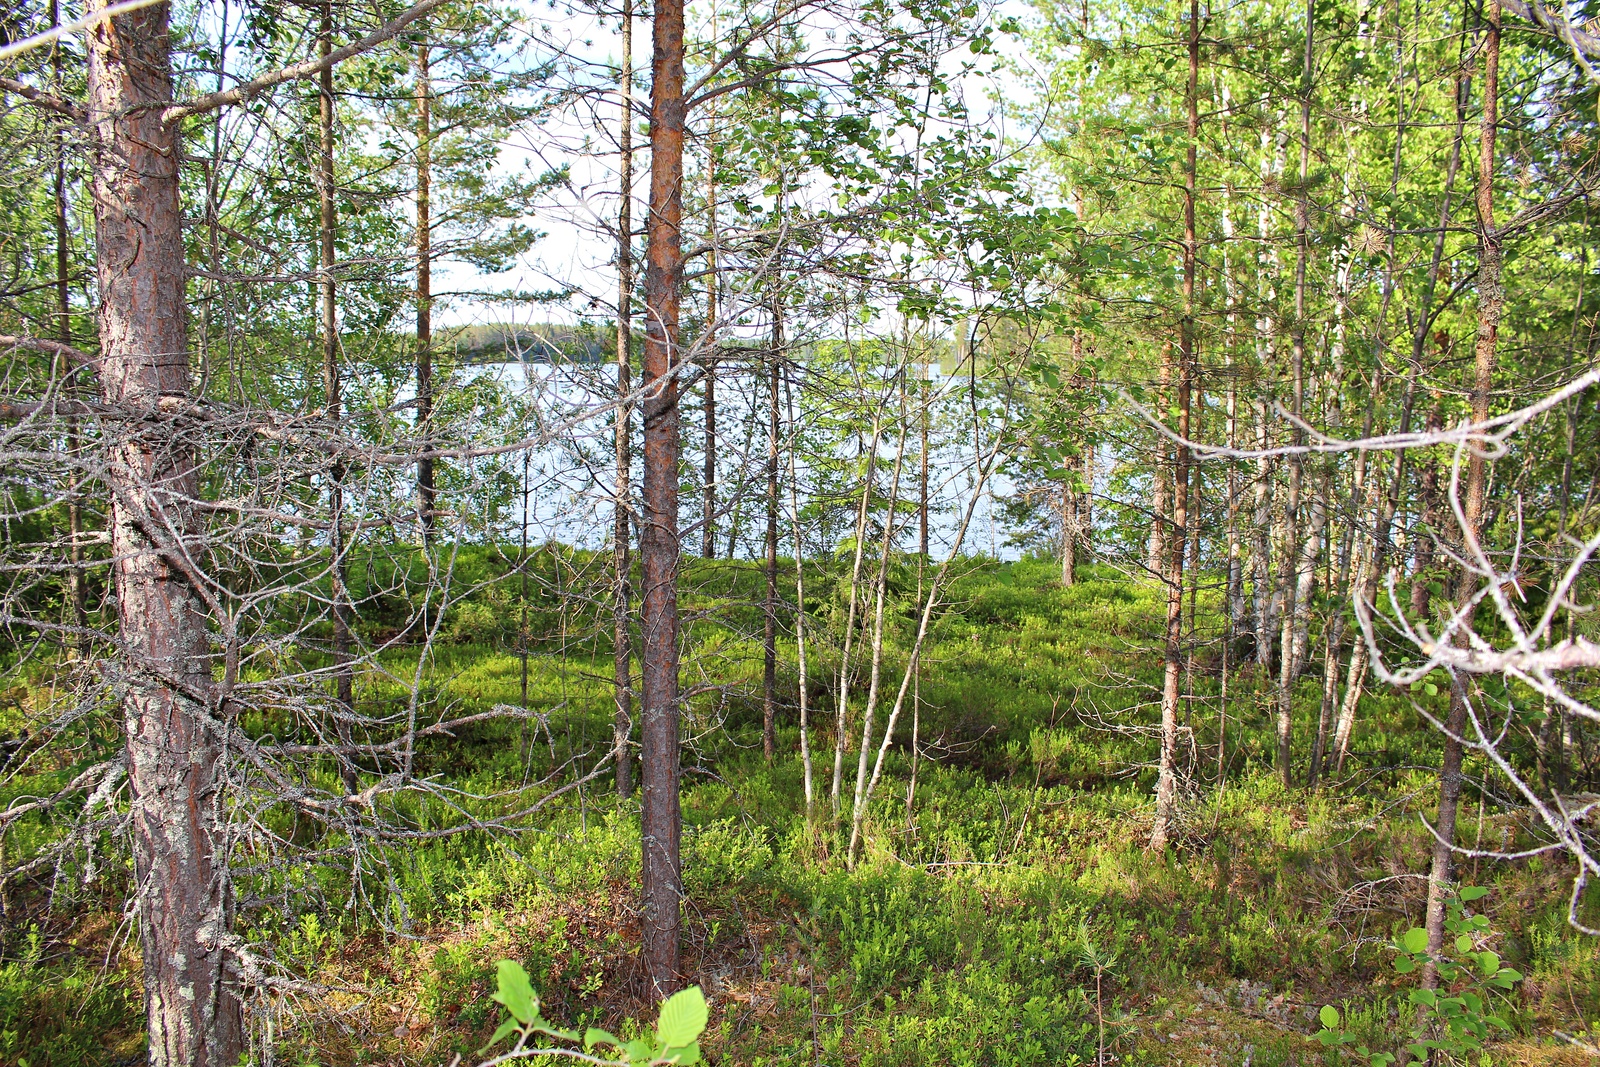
(426, 492)
(1160, 490)
(922, 475)
(174, 738)
(913, 664)
(1261, 549)
(622, 429)
(1428, 521)
(344, 674)
(1491, 299)
(922, 565)
(1086, 500)
(77, 595)
(708, 532)
(752, 414)
(1294, 604)
(1382, 539)
(1177, 538)
(800, 623)
(880, 591)
(850, 620)
(661, 821)
(769, 643)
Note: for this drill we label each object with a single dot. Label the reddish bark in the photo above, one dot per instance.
(174, 741)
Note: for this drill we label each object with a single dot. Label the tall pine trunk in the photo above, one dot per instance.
(661, 820)
(174, 731)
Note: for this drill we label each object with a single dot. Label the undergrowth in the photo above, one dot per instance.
(1008, 917)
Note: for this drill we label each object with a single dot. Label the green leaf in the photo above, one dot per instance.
(1489, 961)
(1510, 974)
(1426, 997)
(688, 1054)
(1405, 964)
(516, 992)
(1329, 1016)
(683, 1018)
(639, 1050)
(1463, 943)
(510, 1026)
(1416, 940)
(594, 1036)
(1473, 892)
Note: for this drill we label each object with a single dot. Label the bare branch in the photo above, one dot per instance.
(48, 101)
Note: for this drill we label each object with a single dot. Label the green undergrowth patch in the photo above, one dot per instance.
(1009, 916)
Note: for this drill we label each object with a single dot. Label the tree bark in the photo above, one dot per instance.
(661, 822)
(1491, 300)
(622, 430)
(173, 731)
(1176, 539)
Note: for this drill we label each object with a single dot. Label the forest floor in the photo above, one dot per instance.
(1010, 916)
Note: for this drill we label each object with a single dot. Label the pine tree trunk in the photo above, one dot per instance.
(661, 820)
(174, 735)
